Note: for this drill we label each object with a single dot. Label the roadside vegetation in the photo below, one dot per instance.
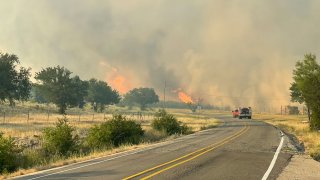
(169, 124)
(65, 142)
(305, 88)
(61, 119)
(297, 125)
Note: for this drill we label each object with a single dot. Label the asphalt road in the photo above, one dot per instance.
(238, 149)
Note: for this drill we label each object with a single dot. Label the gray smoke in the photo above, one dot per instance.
(226, 52)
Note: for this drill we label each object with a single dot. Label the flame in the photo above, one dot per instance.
(118, 81)
(184, 97)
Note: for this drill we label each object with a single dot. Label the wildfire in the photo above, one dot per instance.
(119, 82)
(184, 97)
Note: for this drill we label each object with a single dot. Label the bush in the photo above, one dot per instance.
(60, 139)
(115, 132)
(168, 123)
(9, 153)
(153, 135)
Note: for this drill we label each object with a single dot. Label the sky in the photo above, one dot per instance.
(235, 52)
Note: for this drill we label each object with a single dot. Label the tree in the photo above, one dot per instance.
(305, 88)
(14, 84)
(168, 123)
(101, 94)
(142, 97)
(55, 85)
(60, 139)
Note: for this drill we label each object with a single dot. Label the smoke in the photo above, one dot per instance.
(225, 52)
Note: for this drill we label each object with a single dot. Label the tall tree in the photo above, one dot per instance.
(142, 97)
(101, 94)
(306, 85)
(14, 84)
(55, 85)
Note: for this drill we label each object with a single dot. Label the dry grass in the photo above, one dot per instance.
(22, 125)
(75, 159)
(297, 125)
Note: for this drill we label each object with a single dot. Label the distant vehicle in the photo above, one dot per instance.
(245, 113)
(235, 113)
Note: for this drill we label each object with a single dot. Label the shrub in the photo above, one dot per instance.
(168, 123)
(153, 135)
(9, 153)
(115, 132)
(33, 157)
(60, 139)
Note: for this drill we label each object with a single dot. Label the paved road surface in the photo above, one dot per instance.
(238, 149)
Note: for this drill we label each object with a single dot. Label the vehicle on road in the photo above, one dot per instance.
(235, 113)
(245, 113)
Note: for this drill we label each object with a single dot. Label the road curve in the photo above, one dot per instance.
(238, 149)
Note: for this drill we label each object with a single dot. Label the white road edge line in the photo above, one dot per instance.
(125, 153)
(275, 157)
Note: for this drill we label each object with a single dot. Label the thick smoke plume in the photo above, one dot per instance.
(231, 52)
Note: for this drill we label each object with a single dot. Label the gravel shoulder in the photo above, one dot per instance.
(301, 166)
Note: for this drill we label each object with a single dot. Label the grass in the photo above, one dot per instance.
(28, 120)
(299, 126)
(74, 159)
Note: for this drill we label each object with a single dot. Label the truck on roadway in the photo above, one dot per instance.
(245, 113)
(235, 113)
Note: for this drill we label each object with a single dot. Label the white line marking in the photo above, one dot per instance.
(88, 164)
(125, 153)
(273, 162)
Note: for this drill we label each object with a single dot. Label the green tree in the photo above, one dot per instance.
(101, 94)
(168, 123)
(55, 85)
(142, 97)
(9, 152)
(14, 84)
(118, 130)
(305, 88)
(60, 139)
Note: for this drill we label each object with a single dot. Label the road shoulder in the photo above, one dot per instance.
(301, 167)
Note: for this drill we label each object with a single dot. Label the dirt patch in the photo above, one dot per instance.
(301, 167)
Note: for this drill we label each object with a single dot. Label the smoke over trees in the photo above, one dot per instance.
(219, 50)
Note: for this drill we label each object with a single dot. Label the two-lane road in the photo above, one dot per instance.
(238, 149)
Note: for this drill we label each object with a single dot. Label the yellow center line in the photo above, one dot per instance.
(187, 160)
(215, 145)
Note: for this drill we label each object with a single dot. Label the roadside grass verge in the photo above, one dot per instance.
(299, 126)
(151, 136)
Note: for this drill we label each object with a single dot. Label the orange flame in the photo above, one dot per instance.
(119, 82)
(184, 97)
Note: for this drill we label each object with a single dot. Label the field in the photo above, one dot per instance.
(297, 125)
(25, 123)
(28, 120)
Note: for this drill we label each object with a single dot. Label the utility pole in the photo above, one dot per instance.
(164, 94)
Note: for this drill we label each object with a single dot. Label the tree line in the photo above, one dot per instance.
(57, 85)
(305, 88)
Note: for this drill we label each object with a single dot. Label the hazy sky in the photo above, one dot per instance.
(218, 50)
